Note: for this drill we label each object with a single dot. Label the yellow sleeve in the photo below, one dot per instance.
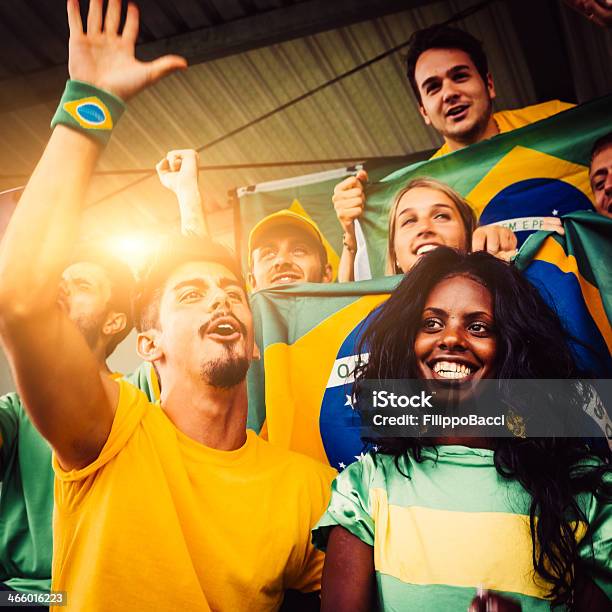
(72, 485)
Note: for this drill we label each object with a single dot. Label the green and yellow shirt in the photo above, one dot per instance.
(455, 524)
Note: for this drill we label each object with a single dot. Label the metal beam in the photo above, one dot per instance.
(286, 23)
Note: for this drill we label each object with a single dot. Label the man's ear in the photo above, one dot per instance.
(256, 352)
(328, 274)
(148, 345)
(424, 115)
(115, 323)
(491, 86)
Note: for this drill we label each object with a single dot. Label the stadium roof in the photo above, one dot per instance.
(250, 57)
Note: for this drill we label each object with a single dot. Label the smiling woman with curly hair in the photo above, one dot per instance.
(421, 523)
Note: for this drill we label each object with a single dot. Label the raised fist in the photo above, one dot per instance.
(349, 200)
(178, 171)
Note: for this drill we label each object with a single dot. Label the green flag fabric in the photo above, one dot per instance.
(515, 179)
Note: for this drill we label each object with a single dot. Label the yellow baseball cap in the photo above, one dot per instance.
(283, 217)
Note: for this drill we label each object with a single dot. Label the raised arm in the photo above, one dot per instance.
(56, 374)
(349, 202)
(178, 172)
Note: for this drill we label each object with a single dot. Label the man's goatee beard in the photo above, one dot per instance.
(226, 373)
(90, 328)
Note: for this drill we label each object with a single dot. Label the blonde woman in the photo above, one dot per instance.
(425, 214)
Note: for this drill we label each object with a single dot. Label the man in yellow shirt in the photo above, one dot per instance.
(170, 506)
(449, 74)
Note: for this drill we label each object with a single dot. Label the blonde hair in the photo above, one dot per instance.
(466, 212)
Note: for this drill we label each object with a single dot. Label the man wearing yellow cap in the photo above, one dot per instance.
(284, 248)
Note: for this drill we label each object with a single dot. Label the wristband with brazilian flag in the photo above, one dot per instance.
(88, 109)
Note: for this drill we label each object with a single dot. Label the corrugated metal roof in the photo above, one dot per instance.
(27, 23)
(371, 113)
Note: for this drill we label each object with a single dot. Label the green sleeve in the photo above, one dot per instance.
(349, 505)
(595, 549)
(9, 424)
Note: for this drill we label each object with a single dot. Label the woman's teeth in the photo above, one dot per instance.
(426, 248)
(449, 369)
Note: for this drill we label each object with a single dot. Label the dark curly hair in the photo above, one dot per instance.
(532, 344)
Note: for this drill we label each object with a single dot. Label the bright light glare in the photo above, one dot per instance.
(134, 249)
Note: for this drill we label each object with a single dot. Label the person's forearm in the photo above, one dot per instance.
(193, 222)
(346, 267)
(45, 224)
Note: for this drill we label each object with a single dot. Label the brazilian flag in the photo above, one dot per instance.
(574, 275)
(309, 195)
(516, 179)
(300, 392)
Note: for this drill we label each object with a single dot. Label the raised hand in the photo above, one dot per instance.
(349, 199)
(105, 58)
(178, 171)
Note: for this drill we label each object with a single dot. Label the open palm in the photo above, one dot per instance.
(105, 58)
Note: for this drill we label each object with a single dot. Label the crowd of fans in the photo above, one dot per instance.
(134, 499)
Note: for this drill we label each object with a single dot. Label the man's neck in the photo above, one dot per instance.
(104, 369)
(99, 352)
(491, 129)
(211, 416)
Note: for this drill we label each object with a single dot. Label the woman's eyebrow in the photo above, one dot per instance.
(479, 313)
(436, 206)
(405, 210)
(434, 310)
